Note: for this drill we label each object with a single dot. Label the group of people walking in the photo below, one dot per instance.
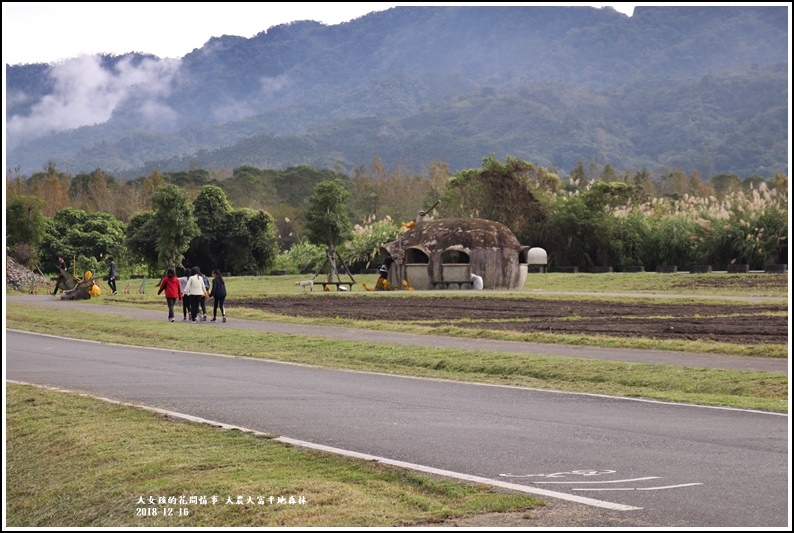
(193, 289)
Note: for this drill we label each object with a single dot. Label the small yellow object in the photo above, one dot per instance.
(94, 290)
(366, 287)
(88, 275)
(407, 287)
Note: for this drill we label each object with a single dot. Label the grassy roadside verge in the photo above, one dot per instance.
(453, 329)
(742, 389)
(74, 461)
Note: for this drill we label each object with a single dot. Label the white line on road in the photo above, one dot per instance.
(649, 488)
(598, 482)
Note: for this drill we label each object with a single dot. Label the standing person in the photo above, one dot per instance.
(194, 289)
(218, 293)
(185, 299)
(60, 283)
(170, 284)
(112, 275)
(203, 302)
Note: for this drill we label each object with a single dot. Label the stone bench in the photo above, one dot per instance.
(447, 284)
(737, 269)
(776, 268)
(567, 269)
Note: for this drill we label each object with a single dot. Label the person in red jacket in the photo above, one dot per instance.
(173, 291)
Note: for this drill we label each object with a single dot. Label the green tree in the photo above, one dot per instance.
(175, 222)
(301, 257)
(581, 230)
(642, 179)
(251, 244)
(514, 193)
(88, 238)
(141, 241)
(609, 173)
(52, 187)
(327, 222)
(212, 210)
(674, 183)
(779, 181)
(25, 222)
(725, 184)
(753, 181)
(578, 174)
(96, 191)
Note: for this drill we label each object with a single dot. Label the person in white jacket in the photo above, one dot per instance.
(195, 291)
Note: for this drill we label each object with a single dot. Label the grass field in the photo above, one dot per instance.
(73, 461)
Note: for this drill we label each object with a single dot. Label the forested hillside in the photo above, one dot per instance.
(692, 88)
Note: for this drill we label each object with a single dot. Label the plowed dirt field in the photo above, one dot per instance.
(728, 322)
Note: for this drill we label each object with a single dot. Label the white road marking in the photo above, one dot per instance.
(596, 482)
(465, 477)
(586, 473)
(649, 488)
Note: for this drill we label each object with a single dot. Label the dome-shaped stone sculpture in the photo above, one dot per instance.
(445, 253)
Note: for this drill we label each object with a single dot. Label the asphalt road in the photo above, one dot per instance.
(639, 463)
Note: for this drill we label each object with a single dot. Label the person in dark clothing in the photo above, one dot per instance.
(185, 300)
(203, 301)
(384, 269)
(112, 275)
(383, 280)
(60, 283)
(218, 294)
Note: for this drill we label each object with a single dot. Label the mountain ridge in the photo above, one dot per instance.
(698, 88)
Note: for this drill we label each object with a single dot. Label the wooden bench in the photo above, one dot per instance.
(446, 284)
(337, 283)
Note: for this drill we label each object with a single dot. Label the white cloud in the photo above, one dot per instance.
(85, 93)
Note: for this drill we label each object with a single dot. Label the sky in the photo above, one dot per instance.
(49, 32)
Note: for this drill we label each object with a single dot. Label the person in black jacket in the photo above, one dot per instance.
(112, 275)
(218, 293)
(60, 283)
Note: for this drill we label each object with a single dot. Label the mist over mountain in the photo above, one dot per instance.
(695, 88)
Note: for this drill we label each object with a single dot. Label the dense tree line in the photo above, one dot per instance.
(251, 220)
